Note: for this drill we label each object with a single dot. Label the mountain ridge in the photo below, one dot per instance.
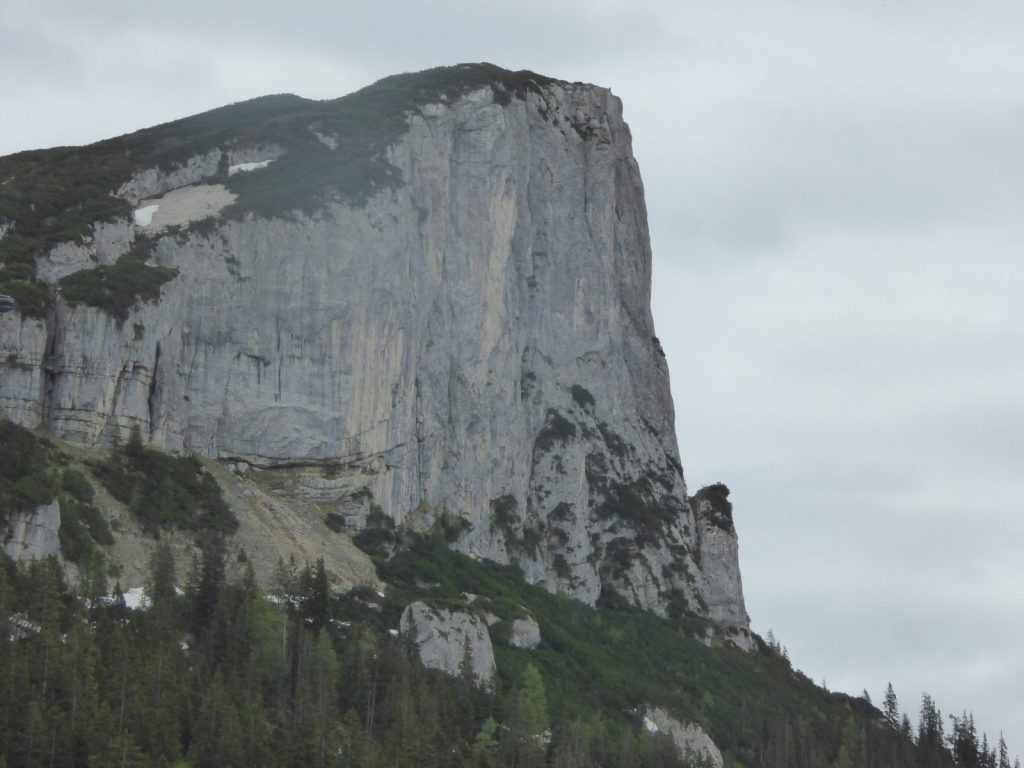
(251, 313)
(413, 346)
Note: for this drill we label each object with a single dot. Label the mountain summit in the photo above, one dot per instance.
(423, 304)
(383, 369)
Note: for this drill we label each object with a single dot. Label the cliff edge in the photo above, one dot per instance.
(426, 303)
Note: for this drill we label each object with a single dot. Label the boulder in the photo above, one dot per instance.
(442, 636)
(525, 633)
(690, 739)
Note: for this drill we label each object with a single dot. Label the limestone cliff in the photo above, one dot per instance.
(437, 311)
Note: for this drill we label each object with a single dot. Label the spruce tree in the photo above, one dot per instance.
(930, 737)
(317, 596)
(211, 580)
(1003, 755)
(535, 704)
(890, 708)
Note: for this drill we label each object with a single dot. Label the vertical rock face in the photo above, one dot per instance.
(719, 583)
(33, 534)
(472, 342)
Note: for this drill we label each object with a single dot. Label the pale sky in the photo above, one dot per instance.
(835, 194)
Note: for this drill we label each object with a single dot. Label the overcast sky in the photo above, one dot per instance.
(836, 199)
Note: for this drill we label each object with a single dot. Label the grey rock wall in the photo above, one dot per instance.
(475, 344)
(33, 534)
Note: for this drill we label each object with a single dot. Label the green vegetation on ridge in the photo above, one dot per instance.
(51, 196)
(55, 195)
(164, 491)
(117, 287)
(27, 473)
(160, 491)
(609, 662)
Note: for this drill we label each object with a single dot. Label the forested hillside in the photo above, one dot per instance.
(222, 674)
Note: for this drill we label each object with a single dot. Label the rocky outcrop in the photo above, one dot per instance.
(22, 352)
(152, 182)
(33, 534)
(690, 739)
(525, 633)
(472, 343)
(447, 638)
(109, 241)
(719, 583)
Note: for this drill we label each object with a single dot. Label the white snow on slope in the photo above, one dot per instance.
(144, 215)
(135, 598)
(242, 167)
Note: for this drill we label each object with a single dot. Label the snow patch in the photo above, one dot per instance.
(144, 215)
(290, 601)
(243, 167)
(135, 599)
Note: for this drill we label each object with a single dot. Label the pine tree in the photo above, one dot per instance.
(1003, 755)
(324, 676)
(208, 589)
(160, 585)
(535, 704)
(930, 737)
(986, 757)
(890, 708)
(317, 596)
(485, 747)
(964, 742)
(906, 729)
(218, 741)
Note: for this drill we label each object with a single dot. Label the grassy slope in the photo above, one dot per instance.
(612, 660)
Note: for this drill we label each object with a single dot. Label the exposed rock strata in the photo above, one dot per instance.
(473, 344)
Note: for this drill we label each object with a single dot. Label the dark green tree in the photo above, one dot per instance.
(890, 708)
(1003, 757)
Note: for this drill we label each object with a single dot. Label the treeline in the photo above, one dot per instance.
(934, 747)
(218, 674)
(221, 676)
(895, 743)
